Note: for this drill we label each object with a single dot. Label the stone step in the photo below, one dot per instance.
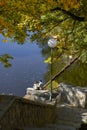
(52, 127)
(70, 123)
(69, 116)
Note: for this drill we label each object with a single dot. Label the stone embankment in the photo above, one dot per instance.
(71, 106)
(17, 112)
(66, 111)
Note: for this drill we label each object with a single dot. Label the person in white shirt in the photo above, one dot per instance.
(36, 86)
(40, 85)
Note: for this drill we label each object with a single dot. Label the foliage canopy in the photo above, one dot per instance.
(38, 19)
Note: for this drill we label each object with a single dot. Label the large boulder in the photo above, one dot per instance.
(41, 95)
(73, 95)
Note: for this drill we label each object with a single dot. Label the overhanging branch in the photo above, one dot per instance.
(73, 16)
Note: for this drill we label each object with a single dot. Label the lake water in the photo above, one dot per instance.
(27, 66)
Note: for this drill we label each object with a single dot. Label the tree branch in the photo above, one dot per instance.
(73, 16)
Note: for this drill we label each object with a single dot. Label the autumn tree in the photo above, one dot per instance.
(38, 19)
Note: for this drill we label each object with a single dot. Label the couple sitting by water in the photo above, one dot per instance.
(38, 85)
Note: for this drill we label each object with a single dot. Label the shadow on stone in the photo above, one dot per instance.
(83, 127)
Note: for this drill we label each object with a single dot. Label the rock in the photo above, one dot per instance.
(41, 95)
(72, 95)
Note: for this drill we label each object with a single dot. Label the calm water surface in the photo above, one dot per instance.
(27, 66)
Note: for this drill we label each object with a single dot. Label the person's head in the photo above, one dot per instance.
(35, 82)
(40, 81)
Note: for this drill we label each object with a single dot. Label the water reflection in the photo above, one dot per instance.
(76, 74)
(28, 65)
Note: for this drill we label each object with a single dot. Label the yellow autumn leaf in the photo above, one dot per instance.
(67, 4)
(5, 40)
(48, 60)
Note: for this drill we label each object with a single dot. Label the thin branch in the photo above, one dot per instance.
(73, 16)
(61, 71)
(72, 30)
(56, 24)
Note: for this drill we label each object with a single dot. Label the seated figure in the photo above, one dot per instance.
(40, 85)
(36, 86)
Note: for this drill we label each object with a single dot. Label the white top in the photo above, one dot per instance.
(35, 86)
(40, 85)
